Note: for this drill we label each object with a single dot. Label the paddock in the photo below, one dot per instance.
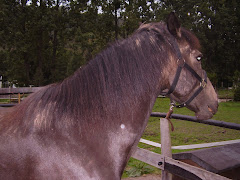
(190, 165)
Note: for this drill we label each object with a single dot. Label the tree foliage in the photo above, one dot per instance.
(44, 41)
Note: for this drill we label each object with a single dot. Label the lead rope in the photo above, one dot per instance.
(168, 116)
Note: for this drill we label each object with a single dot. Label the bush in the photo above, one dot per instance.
(237, 93)
(138, 168)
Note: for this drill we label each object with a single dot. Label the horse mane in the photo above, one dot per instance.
(186, 35)
(126, 68)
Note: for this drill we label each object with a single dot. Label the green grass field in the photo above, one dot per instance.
(185, 132)
(225, 93)
(4, 101)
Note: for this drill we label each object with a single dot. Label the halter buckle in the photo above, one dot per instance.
(181, 62)
(203, 84)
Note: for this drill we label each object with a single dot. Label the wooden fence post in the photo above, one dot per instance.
(19, 98)
(165, 144)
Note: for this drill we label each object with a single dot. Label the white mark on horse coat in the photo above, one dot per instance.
(122, 126)
(118, 141)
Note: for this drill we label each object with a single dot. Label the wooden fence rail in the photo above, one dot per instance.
(168, 165)
(23, 90)
(192, 146)
(15, 94)
(194, 119)
(175, 167)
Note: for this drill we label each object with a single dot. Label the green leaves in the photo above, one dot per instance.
(48, 40)
(137, 168)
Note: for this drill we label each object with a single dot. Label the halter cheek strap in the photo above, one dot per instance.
(175, 81)
(203, 83)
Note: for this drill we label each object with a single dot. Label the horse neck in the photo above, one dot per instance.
(122, 81)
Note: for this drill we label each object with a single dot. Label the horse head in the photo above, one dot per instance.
(187, 81)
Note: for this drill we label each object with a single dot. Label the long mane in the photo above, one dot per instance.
(101, 88)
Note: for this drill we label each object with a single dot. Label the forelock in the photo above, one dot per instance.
(191, 39)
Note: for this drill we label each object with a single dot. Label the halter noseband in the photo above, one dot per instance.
(203, 81)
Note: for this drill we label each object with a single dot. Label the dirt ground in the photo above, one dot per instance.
(145, 177)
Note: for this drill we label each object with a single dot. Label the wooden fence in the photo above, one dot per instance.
(23, 90)
(163, 161)
(167, 164)
(15, 95)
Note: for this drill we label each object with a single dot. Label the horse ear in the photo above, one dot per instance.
(173, 25)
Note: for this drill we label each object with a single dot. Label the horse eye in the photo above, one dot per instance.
(199, 58)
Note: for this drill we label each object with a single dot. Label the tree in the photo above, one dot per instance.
(216, 24)
(43, 41)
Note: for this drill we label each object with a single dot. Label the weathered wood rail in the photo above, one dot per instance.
(175, 167)
(22, 90)
(193, 146)
(8, 93)
(168, 165)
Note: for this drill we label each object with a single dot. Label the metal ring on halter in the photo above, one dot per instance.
(183, 63)
(203, 84)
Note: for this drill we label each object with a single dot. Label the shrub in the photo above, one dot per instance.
(137, 169)
(237, 93)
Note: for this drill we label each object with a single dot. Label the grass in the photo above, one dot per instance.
(225, 93)
(187, 132)
(4, 101)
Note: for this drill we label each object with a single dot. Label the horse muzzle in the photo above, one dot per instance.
(207, 112)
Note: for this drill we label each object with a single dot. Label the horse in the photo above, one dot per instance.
(4, 111)
(87, 126)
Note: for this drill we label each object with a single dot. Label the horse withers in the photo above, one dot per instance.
(87, 126)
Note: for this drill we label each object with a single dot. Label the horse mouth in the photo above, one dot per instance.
(210, 110)
(213, 108)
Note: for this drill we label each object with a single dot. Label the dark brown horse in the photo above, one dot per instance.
(87, 126)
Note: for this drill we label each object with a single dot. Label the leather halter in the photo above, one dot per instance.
(203, 81)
